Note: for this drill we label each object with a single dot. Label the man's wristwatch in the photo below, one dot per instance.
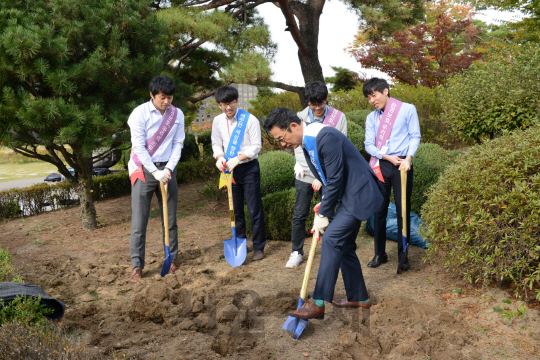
(409, 160)
(320, 215)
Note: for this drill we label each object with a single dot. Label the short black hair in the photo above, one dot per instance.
(163, 84)
(280, 117)
(226, 94)
(375, 84)
(316, 92)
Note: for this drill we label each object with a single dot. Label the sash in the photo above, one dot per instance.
(235, 141)
(152, 144)
(332, 117)
(385, 128)
(310, 143)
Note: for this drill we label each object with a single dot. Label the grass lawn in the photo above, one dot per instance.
(13, 171)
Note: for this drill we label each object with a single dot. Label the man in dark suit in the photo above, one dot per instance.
(350, 186)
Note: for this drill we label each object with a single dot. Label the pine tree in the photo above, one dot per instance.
(71, 71)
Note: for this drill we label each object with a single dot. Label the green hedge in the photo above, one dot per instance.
(358, 117)
(278, 212)
(429, 163)
(277, 171)
(483, 216)
(357, 134)
(36, 198)
(190, 151)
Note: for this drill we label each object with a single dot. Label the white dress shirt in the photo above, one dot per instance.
(222, 128)
(144, 121)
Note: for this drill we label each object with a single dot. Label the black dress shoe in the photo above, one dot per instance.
(405, 266)
(378, 260)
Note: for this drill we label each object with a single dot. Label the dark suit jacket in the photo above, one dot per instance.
(349, 177)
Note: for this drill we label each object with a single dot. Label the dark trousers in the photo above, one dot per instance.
(392, 180)
(141, 198)
(302, 207)
(339, 252)
(248, 185)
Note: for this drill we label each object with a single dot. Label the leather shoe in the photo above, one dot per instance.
(258, 255)
(174, 267)
(309, 310)
(136, 275)
(405, 266)
(378, 260)
(343, 303)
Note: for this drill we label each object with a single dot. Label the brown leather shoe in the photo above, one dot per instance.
(174, 267)
(258, 255)
(343, 303)
(136, 275)
(309, 310)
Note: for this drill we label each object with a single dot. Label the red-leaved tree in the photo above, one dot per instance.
(425, 54)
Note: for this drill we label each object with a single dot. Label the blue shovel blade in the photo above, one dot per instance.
(167, 263)
(295, 325)
(235, 250)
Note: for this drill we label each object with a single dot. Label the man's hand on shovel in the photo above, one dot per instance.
(320, 223)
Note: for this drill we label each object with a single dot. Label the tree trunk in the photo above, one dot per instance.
(306, 36)
(84, 190)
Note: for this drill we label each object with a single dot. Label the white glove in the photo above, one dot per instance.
(161, 176)
(220, 164)
(316, 185)
(232, 163)
(319, 225)
(299, 171)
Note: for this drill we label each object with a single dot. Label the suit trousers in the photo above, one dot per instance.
(302, 207)
(141, 198)
(392, 181)
(339, 252)
(247, 178)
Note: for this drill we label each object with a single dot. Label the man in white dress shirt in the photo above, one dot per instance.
(157, 138)
(241, 155)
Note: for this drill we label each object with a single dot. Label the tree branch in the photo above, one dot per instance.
(296, 89)
(202, 97)
(291, 23)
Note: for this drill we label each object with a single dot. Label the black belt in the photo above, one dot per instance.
(160, 163)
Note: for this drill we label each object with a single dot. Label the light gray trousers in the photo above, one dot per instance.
(141, 197)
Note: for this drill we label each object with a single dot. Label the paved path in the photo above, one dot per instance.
(20, 183)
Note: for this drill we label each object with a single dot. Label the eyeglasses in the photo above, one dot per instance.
(226, 105)
(282, 138)
(319, 105)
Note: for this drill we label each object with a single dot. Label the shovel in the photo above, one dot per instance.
(292, 324)
(168, 256)
(235, 249)
(403, 219)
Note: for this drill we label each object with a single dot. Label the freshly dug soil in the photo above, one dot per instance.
(210, 310)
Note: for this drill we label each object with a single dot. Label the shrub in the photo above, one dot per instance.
(7, 271)
(358, 117)
(490, 99)
(190, 151)
(110, 186)
(429, 163)
(483, 216)
(23, 309)
(277, 171)
(357, 135)
(44, 341)
(205, 139)
(196, 170)
(278, 213)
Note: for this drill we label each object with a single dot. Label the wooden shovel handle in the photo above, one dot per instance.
(165, 212)
(404, 201)
(303, 292)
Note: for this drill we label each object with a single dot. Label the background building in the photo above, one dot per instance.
(209, 108)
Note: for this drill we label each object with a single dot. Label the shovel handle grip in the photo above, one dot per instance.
(403, 175)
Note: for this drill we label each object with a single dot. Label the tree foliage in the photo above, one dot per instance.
(499, 96)
(425, 54)
(344, 79)
(71, 72)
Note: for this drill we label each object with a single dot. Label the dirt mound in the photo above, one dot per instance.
(209, 310)
(401, 327)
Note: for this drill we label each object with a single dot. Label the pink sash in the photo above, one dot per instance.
(154, 142)
(332, 117)
(385, 128)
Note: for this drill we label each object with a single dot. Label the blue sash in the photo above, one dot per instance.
(310, 143)
(237, 135)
